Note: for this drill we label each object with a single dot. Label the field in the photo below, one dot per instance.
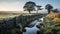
(11, 14)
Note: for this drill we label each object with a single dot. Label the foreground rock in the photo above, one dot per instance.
(17, 24)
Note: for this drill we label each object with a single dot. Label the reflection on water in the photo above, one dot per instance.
(34, 29)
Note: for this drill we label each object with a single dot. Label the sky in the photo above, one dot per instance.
(17, 5)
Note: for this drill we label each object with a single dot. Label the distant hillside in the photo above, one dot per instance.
(13, 12)
(10, 12)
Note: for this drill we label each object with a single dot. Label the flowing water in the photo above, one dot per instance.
(33, 29)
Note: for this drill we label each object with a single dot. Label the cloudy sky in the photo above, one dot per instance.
(17, 5)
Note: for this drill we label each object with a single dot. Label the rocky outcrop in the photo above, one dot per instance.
(17, 24)
(7, 23)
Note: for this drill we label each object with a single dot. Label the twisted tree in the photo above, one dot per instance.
(48, 7)
(29, 6)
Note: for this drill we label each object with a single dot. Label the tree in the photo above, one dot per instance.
(38, 8)
(29, 6)
(55, 10)
(48, 7)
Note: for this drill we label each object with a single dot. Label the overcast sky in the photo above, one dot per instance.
(17, 5)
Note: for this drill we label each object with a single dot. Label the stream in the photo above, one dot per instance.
(33, 29)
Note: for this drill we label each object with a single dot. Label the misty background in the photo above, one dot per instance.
(17, 5)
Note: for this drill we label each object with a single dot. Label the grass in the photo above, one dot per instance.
(3, 15)
(7, 16)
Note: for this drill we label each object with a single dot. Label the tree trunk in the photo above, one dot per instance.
(29, 12)
(48, 11)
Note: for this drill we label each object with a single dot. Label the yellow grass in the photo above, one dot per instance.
(11, 15)
(7, 16)
(56, 20)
